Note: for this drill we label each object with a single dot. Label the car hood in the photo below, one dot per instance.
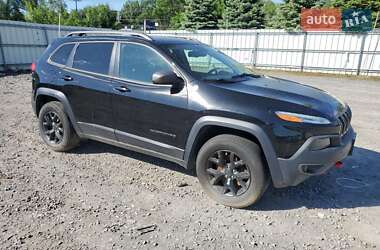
(291, 92)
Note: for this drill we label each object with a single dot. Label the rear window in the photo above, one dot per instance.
(93, 57)
(62, 54)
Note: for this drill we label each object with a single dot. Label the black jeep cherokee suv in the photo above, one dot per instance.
(185, 102)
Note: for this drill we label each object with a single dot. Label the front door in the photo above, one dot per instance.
(148, 115)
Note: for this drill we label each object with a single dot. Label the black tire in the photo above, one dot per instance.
(54, 123)
(215, 154)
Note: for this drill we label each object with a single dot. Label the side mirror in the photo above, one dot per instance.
(167, 78)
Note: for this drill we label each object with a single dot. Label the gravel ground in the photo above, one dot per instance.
(103, 197)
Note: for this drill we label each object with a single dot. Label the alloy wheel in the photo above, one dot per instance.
(53, 127)
(228, 174)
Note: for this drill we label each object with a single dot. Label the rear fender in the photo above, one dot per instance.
(63, 99)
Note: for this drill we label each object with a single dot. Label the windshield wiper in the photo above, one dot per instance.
(234, 78)
(224, 80)
(244, 75)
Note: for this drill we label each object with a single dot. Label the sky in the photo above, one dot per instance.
(114, 4)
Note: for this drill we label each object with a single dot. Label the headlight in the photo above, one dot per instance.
(294, 117)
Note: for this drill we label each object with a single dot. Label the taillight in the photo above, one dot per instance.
(33, 67)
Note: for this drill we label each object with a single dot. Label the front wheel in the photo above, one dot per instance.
(231, 170)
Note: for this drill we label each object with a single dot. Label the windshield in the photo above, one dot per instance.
(206, 63)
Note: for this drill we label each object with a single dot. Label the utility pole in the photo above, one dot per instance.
(118, 17)
(76, 5)
(377, 18)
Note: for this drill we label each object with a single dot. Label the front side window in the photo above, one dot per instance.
(93, 57)
(139, 63)
(62, 54)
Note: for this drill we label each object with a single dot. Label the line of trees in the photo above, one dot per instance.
(176, 14)
(48, 12)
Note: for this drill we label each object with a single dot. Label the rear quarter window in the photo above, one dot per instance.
(93, 57)
(62, 54)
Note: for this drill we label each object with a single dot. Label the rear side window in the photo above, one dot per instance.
(93, 57)
(62, 54)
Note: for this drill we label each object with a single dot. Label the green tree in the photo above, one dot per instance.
(74, 19)
(57, 5)
(11, 10)
(270, 11)
(220, 7)
(288, 15)
(244, 14)
(131, 12)
(100, 16)
(200, 14)
(45, 11)
(134, 12)
(168, 12)
(177, 20)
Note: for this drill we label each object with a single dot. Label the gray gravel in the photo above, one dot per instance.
(103, 197)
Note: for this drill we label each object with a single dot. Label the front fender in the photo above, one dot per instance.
(276, 172)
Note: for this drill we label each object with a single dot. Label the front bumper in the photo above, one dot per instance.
(308, 162)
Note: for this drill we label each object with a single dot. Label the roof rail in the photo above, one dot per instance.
(120, 33)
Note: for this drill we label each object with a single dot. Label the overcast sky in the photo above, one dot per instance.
(114, 4)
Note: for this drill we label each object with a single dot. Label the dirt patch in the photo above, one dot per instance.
(99, 196)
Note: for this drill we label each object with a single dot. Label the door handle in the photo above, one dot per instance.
(122, 89)
(68, 78)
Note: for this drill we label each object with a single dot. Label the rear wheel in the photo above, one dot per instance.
(55, 127)
(231, 170)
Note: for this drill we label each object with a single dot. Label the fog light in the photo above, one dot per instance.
(321, 143)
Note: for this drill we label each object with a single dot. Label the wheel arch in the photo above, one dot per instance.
(209, 126)
(45, 95)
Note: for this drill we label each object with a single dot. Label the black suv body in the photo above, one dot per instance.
(185, 102)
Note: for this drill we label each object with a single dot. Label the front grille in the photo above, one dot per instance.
(344, 121)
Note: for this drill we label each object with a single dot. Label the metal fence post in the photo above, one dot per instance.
(254, 56)
(303, 51)
(46, 36)
(2, 54)
(361, 54)
(233, 38)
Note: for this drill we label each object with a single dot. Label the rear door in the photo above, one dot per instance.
(57, 64)
(88, 87)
